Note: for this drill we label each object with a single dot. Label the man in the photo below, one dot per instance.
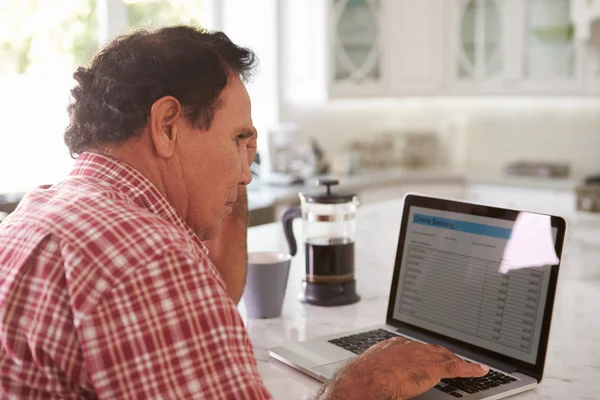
(122, 280)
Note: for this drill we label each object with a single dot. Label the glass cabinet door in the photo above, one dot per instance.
(549, 51)
(356, 30)
(479, 55)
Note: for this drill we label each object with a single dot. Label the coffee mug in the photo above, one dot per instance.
(266, 282)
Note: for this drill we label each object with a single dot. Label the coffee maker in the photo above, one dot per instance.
(328, 227)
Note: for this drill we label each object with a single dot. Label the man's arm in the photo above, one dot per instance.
(228, 251)
(168, 330)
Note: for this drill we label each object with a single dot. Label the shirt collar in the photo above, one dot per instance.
(132, 183)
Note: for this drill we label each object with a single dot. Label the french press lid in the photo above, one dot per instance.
(328, 197)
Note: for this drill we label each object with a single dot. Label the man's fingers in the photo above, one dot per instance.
(462, 369)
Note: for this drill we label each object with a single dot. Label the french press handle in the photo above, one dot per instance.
(288, 219)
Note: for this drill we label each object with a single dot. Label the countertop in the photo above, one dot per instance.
(573, 361)
(261, 194)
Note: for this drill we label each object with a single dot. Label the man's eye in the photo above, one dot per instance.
(239, 138)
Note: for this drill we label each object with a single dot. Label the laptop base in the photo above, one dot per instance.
(320, 359)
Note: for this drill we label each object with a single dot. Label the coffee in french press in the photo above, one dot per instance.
(328, 229)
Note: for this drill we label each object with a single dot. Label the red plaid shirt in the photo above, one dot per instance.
(105, 292)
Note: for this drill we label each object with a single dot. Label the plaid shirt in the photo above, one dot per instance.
(106, 293)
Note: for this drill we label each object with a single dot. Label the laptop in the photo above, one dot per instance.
(477, 279)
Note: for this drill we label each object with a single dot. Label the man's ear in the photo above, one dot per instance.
(163, 115)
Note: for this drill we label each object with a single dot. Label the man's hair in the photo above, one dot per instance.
(112, 100)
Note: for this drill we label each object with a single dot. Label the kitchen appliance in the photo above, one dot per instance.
(328, 226)
(411, 149)
(415, 149)
(289, 158)
(538, 169)
(588, 195)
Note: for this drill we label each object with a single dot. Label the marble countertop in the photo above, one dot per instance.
(573, 360)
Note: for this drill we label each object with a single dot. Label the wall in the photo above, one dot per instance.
(479, 132)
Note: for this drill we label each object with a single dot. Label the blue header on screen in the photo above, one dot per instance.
(462, 226)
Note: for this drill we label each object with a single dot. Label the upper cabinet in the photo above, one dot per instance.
(384, 47)
(549, 47)
(514, 47)
(479, 37)
(356, 48)
(592, 66)
(454, 47)
(552, 59)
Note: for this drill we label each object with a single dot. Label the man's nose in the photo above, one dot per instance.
(246, 176)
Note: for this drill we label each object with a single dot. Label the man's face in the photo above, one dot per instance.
(215, 163)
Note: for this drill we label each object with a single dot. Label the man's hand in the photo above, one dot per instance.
(397, 369)
(228, 251)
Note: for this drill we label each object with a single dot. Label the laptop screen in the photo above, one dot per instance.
(477, 279)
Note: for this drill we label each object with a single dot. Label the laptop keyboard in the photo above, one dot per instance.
(362, 341)
(458, 387)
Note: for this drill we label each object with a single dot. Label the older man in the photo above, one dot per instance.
(122, 280)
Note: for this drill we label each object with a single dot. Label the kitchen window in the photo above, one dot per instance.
(41, 44)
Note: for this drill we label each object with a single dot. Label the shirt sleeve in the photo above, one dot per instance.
(169, 330)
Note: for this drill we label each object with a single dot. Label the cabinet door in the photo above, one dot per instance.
(478, 54)
(416, 46)
(551, 58)
(592, 65)
(356, 60)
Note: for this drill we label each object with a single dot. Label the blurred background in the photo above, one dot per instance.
(496, 101)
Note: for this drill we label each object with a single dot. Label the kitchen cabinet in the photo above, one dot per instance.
(356, 46)
(477, 31)
(550, 55)
(592, 65)
(384, 47)
(457, 47)
(260, 216)
(514, 47)
(415, 46)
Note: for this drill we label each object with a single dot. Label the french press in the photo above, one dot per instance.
(328, 229)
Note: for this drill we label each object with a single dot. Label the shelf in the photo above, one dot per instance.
(554, 33)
